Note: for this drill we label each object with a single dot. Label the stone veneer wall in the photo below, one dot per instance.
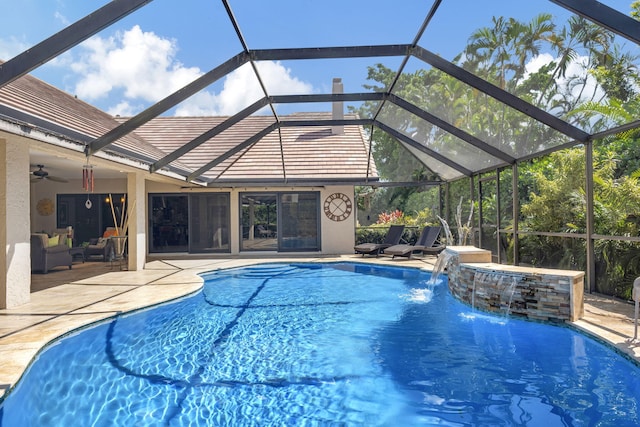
(534, 293)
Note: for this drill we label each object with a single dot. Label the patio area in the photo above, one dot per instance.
(64, 300)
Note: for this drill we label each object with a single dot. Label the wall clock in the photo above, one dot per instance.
(337, 206)
(45, 207)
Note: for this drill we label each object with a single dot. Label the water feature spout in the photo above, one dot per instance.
(511, 289)
(439, 267)
(540, 294)
(499, 284)
(477, 278)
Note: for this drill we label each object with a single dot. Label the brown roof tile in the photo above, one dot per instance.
(309, 152)
(49, 104)
(305, 152)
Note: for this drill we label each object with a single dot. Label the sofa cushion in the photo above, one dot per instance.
(44, 238)
(54, 241)
(57, 248)
(110, 231)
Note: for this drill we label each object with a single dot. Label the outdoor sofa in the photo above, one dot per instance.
(48, 253)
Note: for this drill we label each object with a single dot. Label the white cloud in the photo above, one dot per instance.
(575, 69)
(537, 62)
(592, 89)
(11, 47)
(201, 104)
(141, 64)
(58, 16)
(241, 89)
(125, 109)
(143, 68)
(279, 81)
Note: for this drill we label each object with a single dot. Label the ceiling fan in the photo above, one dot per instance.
(40, 174)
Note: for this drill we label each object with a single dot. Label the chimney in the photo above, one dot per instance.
(338, 107)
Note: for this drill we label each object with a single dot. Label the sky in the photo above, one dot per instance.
(166, 44)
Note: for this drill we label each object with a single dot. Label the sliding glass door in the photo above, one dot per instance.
(200, 222)
(209, 223)
(259, 221)
(189, 223)
(280, 221)
(168, 223)
(299, 224)
(92, 221)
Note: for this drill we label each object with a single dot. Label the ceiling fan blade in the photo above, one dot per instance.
(36, 179)
(55, 178)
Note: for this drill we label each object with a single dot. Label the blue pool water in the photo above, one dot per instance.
(335, 344)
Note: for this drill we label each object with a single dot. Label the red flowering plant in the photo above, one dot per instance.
(394, 217)
(377, 232)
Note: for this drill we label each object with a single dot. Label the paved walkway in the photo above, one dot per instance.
(90, 293)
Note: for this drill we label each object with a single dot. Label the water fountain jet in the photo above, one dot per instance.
(442, 262)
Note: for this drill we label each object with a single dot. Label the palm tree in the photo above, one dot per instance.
(503, 50)
(488, 51)
(500, 54)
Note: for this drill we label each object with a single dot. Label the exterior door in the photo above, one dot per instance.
(280, 221)
(168, 223)
(299, 222)
(209, 222)
(259, 221)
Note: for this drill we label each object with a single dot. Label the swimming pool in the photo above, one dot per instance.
(324, 344)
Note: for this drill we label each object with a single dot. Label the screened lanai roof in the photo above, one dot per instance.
(469, 86)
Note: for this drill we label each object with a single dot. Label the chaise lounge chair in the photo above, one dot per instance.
(392, 238)
(426, 243)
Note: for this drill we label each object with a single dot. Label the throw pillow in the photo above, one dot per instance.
(110, 231)
(54, 241)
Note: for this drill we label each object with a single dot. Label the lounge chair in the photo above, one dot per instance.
(102, 246)
(264, 231)
(392, 238)
(426, 243)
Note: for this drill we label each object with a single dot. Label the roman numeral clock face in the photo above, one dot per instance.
(338, 207)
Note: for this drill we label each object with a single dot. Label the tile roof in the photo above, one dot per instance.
(306, 153)
(61, 113)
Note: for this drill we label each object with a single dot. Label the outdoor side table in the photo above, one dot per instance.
(77, 251)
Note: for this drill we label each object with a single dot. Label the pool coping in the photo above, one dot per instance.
(57, 311)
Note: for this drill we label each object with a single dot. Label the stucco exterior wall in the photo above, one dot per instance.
(337, 237)
(137, 214)
(15, 268)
